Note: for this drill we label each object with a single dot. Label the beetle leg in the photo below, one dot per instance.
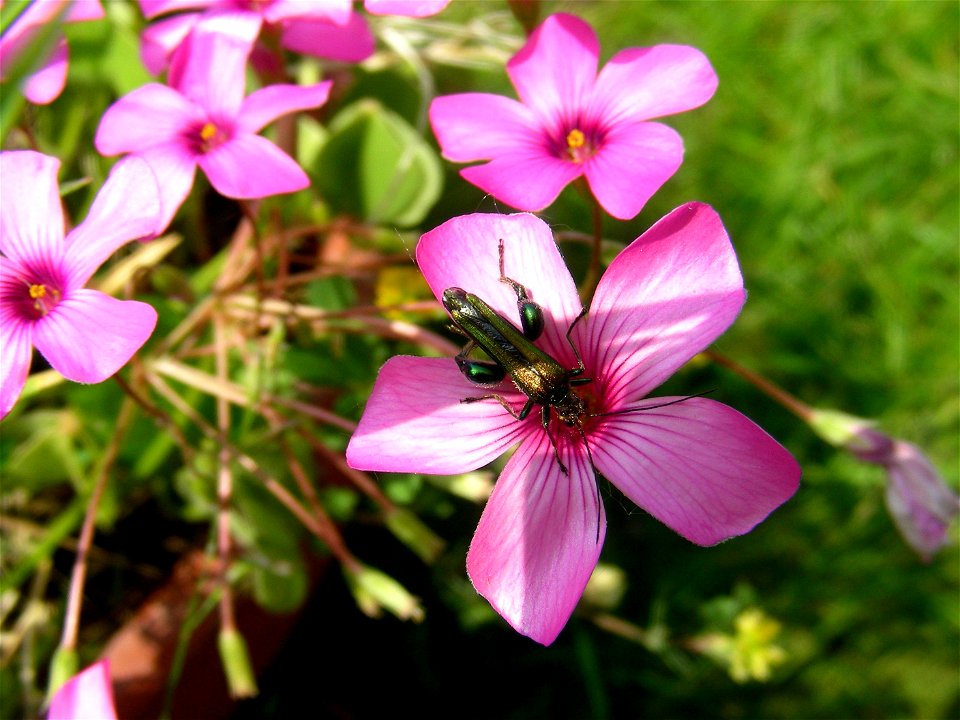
(545, 421)
(580, 368)
(499, 399)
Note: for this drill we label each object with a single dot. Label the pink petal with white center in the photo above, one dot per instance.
(86, 696)
(127, 208)
(153, 8)
(414, 421)
(262, 107)
(539, 539)
(250, 166)
(530, 181)
(634, 162)
(159, 40)
(464, 252)
(16, 349)
(45, 85)
(351, 42)
(174, 168)
(31, 216)
(88, 336)
(153, 114)
(407, 8)
(644, 83)
(698, 466)
(212, 71)
(479, 126)
(665, 298)
(555, 70)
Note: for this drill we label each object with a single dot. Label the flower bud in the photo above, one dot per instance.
(236, 664)
(376, 591)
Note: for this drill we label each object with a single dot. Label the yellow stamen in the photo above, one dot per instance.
(576, 139)
(208, 132)
(38, 291)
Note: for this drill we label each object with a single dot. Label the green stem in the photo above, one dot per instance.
(78, 577)
(792, 403)
(589, 284)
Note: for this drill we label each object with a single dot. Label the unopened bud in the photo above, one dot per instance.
(376, 591)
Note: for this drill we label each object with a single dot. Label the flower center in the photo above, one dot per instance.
(255, 5)
(31, 290)
(207, 137)
(579, 146)
(44, 299)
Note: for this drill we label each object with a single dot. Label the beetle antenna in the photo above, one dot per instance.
(653, 407)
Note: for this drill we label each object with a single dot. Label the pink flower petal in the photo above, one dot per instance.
(31, 216)
(45, 85)
(407, 8)
(126, 208)
(262, 107)
(555, 70)
(250, 166)
(84, 10)
(335, 11)
(16, 347)
(665, 298)
(351, 43)
(151, 115)
(212, 71)
(479, 126)
(153, 8)
(635, 161)
(414, 421)
(644, 83)
(698, 466)
(463, 252)
(920, 502)
(159, 40)
(86, 696)
(89, 336)
(22, 32)
(538, 539)
(527, 182)
(174, 168)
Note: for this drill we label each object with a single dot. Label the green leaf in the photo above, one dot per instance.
(377, 167)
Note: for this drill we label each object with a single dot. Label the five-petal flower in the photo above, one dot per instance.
(571, 122)
(84, 334)
(697, 465)
(204, 120)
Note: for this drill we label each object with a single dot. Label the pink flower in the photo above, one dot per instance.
(327, 29)
(85, 335)
(86, 696)
(204, 120)
(920, 502)
(695, 464)
(408, 8)
(572, 122)
(45, 85)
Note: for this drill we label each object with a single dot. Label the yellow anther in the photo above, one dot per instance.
(576, 139)
(38, 291)
(208, 132)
